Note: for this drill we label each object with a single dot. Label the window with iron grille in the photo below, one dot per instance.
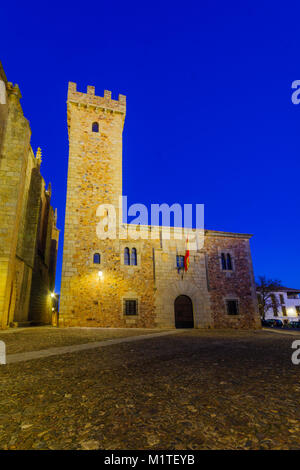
(232, 307)
(130, 307)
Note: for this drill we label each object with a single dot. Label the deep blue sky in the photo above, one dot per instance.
(209, 112)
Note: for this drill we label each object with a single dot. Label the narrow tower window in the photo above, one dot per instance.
(97, 258)
(133, 257)
(126, 256)
(95, 127)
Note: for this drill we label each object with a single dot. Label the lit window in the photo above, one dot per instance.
(97, 258)
(95, 127)
(130, 307)
(232, 307)
(127, 256)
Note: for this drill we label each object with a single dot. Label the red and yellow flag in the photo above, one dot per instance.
(187, 256)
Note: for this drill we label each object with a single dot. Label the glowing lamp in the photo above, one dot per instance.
(292, 312)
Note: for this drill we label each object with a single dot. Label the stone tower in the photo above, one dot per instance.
(95, 126)
(137, 282)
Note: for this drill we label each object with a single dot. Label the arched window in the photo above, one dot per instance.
(229, 262)
(95, 127)
(126, 256)
(133, 257)
(97, 258)
(223, 259)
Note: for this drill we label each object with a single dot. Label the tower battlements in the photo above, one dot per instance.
(90, 99)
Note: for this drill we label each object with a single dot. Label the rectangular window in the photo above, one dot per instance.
(232, 307)
(283, 310)
(297, 307)
(130, 307)
(180, 261)
(281, 299)
(274, 305)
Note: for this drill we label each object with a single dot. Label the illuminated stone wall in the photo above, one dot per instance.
(95, 177)
(22, 193)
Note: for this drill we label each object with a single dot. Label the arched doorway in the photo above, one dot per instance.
(183, 307)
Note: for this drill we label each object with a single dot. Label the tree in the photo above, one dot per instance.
(265, 294)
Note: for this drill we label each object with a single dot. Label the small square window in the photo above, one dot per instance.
(130, 307)
(232, 307)
(95, 127)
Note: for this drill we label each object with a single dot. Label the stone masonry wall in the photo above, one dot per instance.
(236, 284)
(13, 163)
(21, 191)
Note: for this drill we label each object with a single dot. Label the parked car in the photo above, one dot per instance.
(265, 322)
(272, 323)
(294, 324)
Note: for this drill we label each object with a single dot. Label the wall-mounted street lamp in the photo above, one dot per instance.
(100, 275)
(52, 295)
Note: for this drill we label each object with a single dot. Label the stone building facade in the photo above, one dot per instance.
(125, 282)
(28, 233)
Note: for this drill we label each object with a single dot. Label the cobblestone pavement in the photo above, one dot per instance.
(34, 339)
(193, 390)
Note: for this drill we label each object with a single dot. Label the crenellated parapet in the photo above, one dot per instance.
(90, 99)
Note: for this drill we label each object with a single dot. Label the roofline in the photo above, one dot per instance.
(209, 233)
(2, 73)
(284, 289)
